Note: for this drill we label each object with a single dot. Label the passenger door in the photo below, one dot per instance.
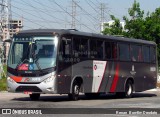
(65, 65)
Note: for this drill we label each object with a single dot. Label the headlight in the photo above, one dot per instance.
(48, 79)
(10, 80)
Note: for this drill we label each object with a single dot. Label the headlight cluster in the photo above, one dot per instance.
(10, 80)
(48, 79)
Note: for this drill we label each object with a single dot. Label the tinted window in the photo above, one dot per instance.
(136, 53)
(65, 49)
(76, 47)
(100, 49)
(80, 47)
(146, 54)
(124, 53)
(84, 47)
(93, 48)
(110, 50)
(153, 54)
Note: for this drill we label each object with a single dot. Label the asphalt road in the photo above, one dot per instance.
(148, 99)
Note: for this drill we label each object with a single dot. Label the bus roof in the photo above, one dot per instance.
(48, 32)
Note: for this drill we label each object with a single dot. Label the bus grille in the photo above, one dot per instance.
(28, 88)
(28, 82)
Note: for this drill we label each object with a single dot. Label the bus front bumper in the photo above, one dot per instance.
(47, 86)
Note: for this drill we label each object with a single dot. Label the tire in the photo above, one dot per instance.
(128, 91)
(75, 91)
(34, 96)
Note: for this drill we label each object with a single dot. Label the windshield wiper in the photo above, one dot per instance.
(35, 58)
(38, 66)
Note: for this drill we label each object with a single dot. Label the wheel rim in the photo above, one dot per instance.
(129, 90)
(76, 89)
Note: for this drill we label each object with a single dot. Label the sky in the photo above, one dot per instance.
(58, 13)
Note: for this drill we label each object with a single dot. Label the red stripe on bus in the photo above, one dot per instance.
(115, 80)
(16, 79)
(102, 77)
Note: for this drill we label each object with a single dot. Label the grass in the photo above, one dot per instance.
(3, 82)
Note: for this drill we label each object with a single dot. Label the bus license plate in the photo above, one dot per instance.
(27, 92)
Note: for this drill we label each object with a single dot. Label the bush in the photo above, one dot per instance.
(158, 85)
(3, 81)
(3, 84)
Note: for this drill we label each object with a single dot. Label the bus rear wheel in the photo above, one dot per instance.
(75, 91)
(34, 96)
(128, 90)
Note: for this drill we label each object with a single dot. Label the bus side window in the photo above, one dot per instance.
(135, 53)
(65, 49)
(146, 54)
(124, 53)
(76, 47)
(153, 54)
(80, 47)
(93, 49)
(108, 50)
(114, 51)
(140, 57)
(100, 49)
(84, 48)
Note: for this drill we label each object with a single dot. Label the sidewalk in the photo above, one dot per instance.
(156, 89)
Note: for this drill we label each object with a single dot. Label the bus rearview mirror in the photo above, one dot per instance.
(7, 40)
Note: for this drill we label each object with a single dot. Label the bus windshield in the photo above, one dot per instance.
(35, 53)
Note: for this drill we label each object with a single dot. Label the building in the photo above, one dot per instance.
(111, 23)
(15, 27)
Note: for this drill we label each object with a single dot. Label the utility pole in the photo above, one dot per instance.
(102, 16)
(74, 13)
(5, 18)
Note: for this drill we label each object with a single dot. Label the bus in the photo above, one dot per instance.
(64, 61)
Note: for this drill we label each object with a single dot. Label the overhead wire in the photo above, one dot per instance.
(38, 2)
(42, 11)
(46, 10)
(53, 1)
(86, 12)
(36, 11)
(38, 24)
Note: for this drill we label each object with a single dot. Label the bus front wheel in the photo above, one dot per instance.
(34, 96)
(75, 91)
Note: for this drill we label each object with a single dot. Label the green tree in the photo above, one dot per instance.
(113, 29)
(135, 24)
(138, 25)
(152, 32)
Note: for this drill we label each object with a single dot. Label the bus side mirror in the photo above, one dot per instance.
(8, 40)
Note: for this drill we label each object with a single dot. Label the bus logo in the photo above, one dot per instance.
(26, 80)
(133, 72)
(95, 67)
